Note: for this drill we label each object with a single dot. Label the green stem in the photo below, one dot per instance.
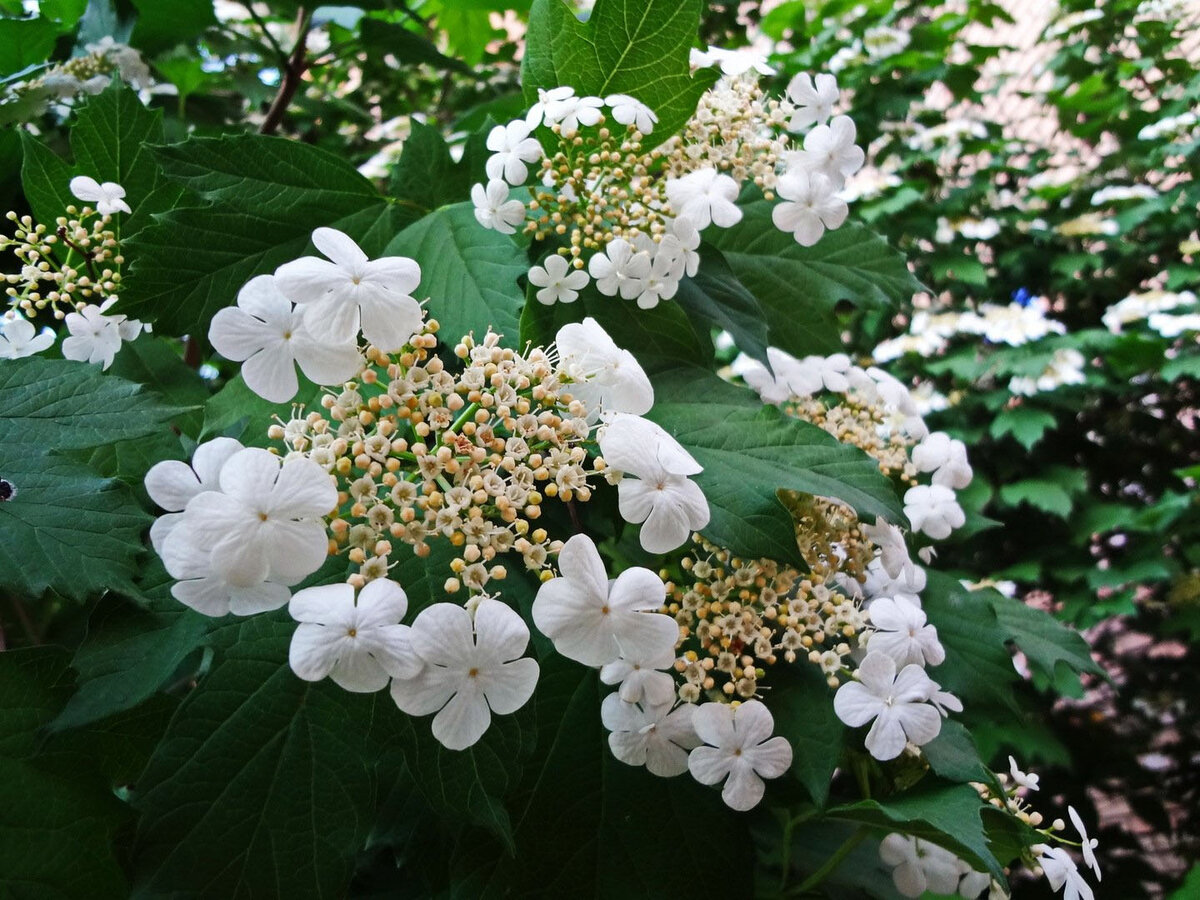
(463, 416)
(831, 864)
(785, 857)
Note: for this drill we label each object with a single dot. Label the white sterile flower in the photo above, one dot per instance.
(631, 111)
(1087, 845)
(172, 484)
(811, 205)
(95, 337)
(594, 622)
(546, 99)
(814, 102)
(830, 150)
(265, 522)
(919, 865)
(901, 631)
(771, 385)
(270, 337)
(207, 589)
(494, 210)
(741, 747)
(684, 241)
(360, 645)
(19, 338)
(933, 509)
(660, 496)
(620, 269)
(732, 62)
(893, 551)
(641, 677)
(571, 112)
(898, 704)
(512, 148)
(662, 282)
(650, 735)
(609, 378)
(705, 197)
(560, 282)
(472, 668)
(910, 581)
(108, 198)
(1062, 873)
(814, 374)
(348, 292)
(1026, 780)
(946, 458)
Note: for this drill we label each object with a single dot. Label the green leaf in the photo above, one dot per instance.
(468, 272)
(163, 24)
(45, 179)
(716, 299)
(799, 287)
(1025, 424)
(1040, 493)
(803, 708)
(1051, 647)
(425, 175)
(24, 42)
(953, 755)
(381, 38)
(266, 197)
(1184, 365)
(635, 47)
(262, 771)
(749, 451)
(236, 411)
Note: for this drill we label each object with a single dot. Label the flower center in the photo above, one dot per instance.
(262, 517)
(473, 673)
(604, 610)
(353, 632)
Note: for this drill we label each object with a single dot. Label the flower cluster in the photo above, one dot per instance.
(82, 76)
(1148, 305)
(1014, 324)
(627, 214)
(1065, 367)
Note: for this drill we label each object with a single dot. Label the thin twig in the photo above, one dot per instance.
(293, 74)
(261, 23)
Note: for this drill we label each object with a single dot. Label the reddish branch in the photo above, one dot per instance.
(292, 75)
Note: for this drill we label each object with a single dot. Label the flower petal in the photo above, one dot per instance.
(462, 721)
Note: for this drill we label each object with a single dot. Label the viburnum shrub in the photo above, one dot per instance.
(423, 540)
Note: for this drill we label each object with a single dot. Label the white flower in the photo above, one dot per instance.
(109, 197)
(705, 197)
(571, 112)
(264, 523)
(494, 210)
(559, 281)
(668, 505)
(946, 458)
(358, 645)
(95, 337)
(594, 622)
(814, 374)
(546, 99)
(610, 378)
(640, 677)
(682, 240)
(1062, 873)
(1170, 326)
(631, 111)
(662, 282)
(830, 150)
(471, 670)
(19, 338)
(652, 735)
(919, 865)
(814, 102)
(732, 62)
(882, 41)
(270, 337)
(172, 484)
(893, 551)
(811, 205)
(207, 589)
(897, 703)
(512, 148)
(1022, 779)
(933, 509)
(902, 633)
(910, 581)
(1087, 845)
(620, 269)
(351, 291)
(739, 749)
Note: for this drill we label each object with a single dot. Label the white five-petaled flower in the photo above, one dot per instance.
(631, 111)
(641, 677)
(472, 668)
(898, 704)
(560, 282)
(814, 102)
(348, 291)
(360, 645)
(830, 150)
(270, 338)
(512, 149)
(494, 210)
(19, 338)
(1087, 845)
(741, 747)
(732, 62)
(264, 523)
(96, 337)
(919, 866)
(910, 581)
(108, 197)
(172, 484)
(705, 197)
(933, 509)
(1062, 873)
(609, 378)
(571, 112)
(893, 551)
(811, 205)
(594, 622)
(945, 457)
(207, 589)
(668, 505)
(653, 735)
(902, 632)
(546, 99)
(620, 269)
(1026, 780)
